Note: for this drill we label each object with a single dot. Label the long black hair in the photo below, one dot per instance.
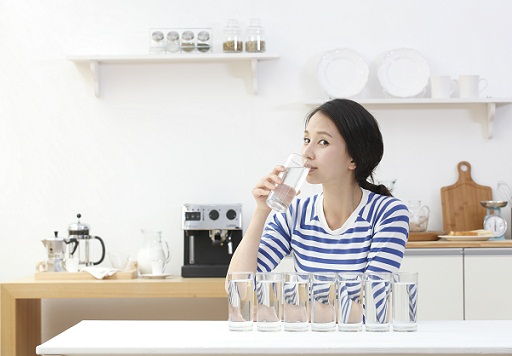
(362, 136)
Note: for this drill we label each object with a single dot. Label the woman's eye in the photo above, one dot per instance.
(323, 142)
(306, 140)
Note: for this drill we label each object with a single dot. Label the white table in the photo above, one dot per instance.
(121, 337)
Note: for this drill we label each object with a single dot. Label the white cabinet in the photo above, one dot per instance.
(488, 283)
(440, 282)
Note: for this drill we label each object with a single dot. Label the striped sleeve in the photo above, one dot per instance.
(275, 242)
(390, 235)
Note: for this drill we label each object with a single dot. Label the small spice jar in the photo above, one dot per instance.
(203, 41)
(232, 37)
(157, 42)
(187, 41)
(255, 41)
(173, 41)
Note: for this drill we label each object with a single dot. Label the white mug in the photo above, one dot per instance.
(469, 86)
(442, 86)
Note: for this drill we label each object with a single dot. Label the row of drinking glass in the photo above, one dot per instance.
(322, 301)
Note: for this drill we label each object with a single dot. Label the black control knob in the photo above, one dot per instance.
(231, 214)
(214, 214)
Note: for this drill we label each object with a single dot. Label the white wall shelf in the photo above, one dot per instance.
(490, 103)
(94, 62)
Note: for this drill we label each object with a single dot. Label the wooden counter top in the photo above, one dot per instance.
(459, 244)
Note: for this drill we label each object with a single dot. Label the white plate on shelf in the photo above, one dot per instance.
(403, 72)
(342, 73)
(154, 276)
(465, 238)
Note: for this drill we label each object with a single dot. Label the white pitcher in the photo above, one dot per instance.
(153, 249)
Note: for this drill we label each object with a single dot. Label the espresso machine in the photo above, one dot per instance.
(211, 235)
(79, 232)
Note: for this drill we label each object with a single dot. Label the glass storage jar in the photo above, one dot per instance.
(255, 40)
(187, 41)
(203, 41)
(157, 41)
(173, 41)
(232, 37)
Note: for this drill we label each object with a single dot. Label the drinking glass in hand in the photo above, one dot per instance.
(405, 299)
(323, 302)
(240, 300)
(377, 304)
(350, 301)
(296, 301)
(293, 177)
(268, 293)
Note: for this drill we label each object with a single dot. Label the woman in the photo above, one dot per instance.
(353, 225)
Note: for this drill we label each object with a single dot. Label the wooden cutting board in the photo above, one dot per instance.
(461, 202)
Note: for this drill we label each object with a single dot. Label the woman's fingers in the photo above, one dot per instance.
(260, 192)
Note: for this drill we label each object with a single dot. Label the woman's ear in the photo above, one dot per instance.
(352, 165)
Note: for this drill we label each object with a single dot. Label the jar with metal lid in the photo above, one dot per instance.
(203, 41)
(157, 41)
(232, 37)
(173, 41)
(187, 41)
(255, 40)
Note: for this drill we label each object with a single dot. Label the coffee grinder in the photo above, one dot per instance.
(211, 235)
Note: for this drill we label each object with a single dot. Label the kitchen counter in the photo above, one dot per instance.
(459, 244)
(20, 301)
(121, 337)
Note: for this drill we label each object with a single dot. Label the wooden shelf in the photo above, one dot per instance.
(95, 61)
(490, 103)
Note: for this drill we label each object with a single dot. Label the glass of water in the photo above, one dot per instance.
(240, 300)
(293, 177)
(405, 301)
(296, 301)
(377, 295)
(323, 302)
(268, 293)
(350, 301)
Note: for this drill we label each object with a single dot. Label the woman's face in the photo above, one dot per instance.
(326, 151)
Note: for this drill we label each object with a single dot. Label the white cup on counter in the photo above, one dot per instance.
(471, 86)
(442, 86)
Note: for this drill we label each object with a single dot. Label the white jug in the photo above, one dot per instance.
(153, 249)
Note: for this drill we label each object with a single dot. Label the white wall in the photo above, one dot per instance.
(162, 135)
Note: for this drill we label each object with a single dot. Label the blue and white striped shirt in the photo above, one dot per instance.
(372, 239)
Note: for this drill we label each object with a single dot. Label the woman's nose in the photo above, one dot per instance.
(308, 153)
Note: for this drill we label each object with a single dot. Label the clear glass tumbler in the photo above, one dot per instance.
(293, 177)
(377, 295)
(240, 300)
(405, 301)
(350, 301)
(323, 302)
(268, 293)
(296, 301)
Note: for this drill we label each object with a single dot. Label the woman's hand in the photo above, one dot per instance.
(265, 186)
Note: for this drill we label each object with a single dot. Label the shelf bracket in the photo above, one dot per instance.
(491, 111)
(95, 71)
(254, 73)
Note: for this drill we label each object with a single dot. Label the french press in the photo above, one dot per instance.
(79, 232)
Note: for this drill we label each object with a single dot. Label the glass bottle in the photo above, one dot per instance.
(232, 37)
(255, 40)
